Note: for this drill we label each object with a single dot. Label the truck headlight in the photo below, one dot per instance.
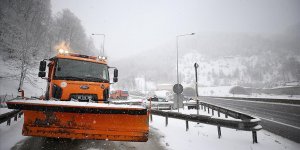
(63, 84)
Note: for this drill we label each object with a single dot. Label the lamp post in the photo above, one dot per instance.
(196, 86)
(177, 38)
(102, 42)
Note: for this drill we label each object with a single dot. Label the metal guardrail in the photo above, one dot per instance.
(6, 117)
(244, 122)
(285, 101)
(228, 112)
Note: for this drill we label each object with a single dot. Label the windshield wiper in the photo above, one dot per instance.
(70, 77)
(95, 79)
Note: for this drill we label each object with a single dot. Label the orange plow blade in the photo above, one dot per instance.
(78, 120)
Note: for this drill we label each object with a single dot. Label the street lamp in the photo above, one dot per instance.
(177, 38)
(102, 42)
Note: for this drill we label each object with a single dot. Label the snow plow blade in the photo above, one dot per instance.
(81, 120)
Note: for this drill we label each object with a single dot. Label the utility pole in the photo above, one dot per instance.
(196, 88)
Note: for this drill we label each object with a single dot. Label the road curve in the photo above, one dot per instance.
(281, 119)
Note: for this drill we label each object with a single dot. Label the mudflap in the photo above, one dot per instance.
(84, 122)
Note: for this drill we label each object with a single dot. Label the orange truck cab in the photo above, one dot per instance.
(77, 77)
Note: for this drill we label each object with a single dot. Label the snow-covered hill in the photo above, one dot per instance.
(255, 70)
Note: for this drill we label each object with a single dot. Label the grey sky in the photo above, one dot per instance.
(132, 26)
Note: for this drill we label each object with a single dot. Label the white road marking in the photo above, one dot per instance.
(258, 102)
(281, 123)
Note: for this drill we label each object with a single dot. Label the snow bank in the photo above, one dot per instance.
(215, 91)
(4, 110)
(162, 93)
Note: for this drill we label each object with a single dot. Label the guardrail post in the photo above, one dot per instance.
(208, 110)
(254, 136)
(197, 106)
(212, 111)
(201, 107)
(8, 122)
(166, 120)
(204, 108)
(186, 125)
(226, 116)
(219, 131)
(219, 113)
(16, 117)
(151, 118)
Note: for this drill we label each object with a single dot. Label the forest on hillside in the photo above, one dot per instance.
(29, 32)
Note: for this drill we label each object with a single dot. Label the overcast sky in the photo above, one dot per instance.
(133, 26)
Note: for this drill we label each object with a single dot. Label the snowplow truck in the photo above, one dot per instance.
(76, 103)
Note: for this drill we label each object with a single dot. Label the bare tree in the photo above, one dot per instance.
(23, 32)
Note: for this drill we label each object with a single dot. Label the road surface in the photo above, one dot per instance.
(281, 119)
(40, 143)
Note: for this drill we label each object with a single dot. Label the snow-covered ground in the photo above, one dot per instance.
(202, 136)
(33, 85)
(4, 110)
(10, 87)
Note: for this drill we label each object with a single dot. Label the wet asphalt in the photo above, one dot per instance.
(41, 143)
(281, 119)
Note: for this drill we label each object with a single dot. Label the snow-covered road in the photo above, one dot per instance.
(35, 143)
(11, 138)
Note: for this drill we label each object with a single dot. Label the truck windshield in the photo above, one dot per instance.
(68, 69)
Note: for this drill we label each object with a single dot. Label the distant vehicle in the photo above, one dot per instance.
(119, 94)
(159, 103)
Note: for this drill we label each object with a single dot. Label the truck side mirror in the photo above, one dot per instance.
(42, 74)
(116, 73)
(115, 79)
(42, 66)
(42, 69)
